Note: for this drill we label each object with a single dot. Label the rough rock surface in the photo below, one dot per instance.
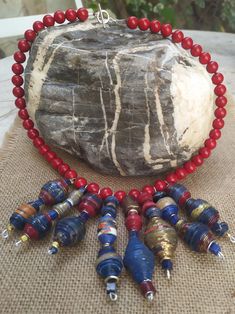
(127, 102)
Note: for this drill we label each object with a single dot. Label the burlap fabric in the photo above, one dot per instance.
(33, 282)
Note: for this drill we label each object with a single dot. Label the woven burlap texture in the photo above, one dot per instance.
(31, 281)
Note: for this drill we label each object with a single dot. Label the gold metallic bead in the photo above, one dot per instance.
(128, 204)
(165, 201)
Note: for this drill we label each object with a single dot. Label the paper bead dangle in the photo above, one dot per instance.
(52, 192)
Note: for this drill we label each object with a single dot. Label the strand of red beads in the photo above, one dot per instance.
(133, 23)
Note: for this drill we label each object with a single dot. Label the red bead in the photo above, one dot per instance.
(220, 113)
(44, 149)
(210, 143)
(218, 123)
(144, 24)
(204, 58)
(38, 141)
(196, 50)
(18, 91)
(24, 45)
(217, 78)
(63, 168)
(48, 20)
(132, 22)
(220, 90)
(133, 222)
(187, 43)
(171, 178)
(50, 155)
(38, 26)
(71, 15)
(17, 80)
(28, 124)
(30, 35)
(215, 134)
(160, 185)
(80, 182)
(144, 197)
(59, 17)
(205, 152)
(146, 205)
(93, 188)
(19, 57)
(155, 26)
(212, 67)
(177, 36)
(197, 160)
(33, 133)
(190, 167)
(20, 103)
(120, 195)
(56, 162)
(166, 30)
(134, 193)
(17, 68)
(221, 101)
(71, 174)
(181, 173)
(82, 14)
(23, 114)
(105, 192)
(149, 189)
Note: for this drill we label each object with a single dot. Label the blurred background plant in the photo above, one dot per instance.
(213, 15)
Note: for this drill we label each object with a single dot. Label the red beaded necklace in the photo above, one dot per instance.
(144, 24)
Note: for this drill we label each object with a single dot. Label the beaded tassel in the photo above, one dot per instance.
(39, 225)
(159, 236)
(71, 230)
(199, 210)
(109, 264)
(52, 192)
(138, 259)
(196, 235)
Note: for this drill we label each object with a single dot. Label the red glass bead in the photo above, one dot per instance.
(217, 78)
(144, 24)
(43, 149)
(215, 134)
(80, 182)
(177, 36)
(171, 178)
(205, 152)
(38, 26)
(220, 113)
(196, 50)
(144, 197)
(220, 90)
(17, 68)
(82, 14)
(155, 26)
(105, 192)
(23, 45)
(20, 103)
(19, 57)
(17, 80)
(93, 188)
(23, 114)
(210, 143)
(50, 155)
(38, 141)
(71, 15)
(166, 30)
(187, 43)
(197, 160)
(18, 91)
(149, 189)
(132, 22)
(212, 67)
(63, 168)
(190, 167)
(71, 174)
(221, 101)
(28, 124)
(218, 123)
(30, 35)
(33, 133)
(133, 222)
(134, 193)
(56, 162)
(181, 173)
(120, 195)
(59, 17)
(204, 58)
(48, 20)
(160, 185)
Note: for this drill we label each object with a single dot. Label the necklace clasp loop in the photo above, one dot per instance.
(102, 16)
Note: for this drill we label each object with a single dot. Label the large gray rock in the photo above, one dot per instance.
(126, 102)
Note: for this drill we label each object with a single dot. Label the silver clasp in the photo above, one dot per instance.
(103, 16)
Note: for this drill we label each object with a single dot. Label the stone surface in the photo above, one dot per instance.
(128, 103)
